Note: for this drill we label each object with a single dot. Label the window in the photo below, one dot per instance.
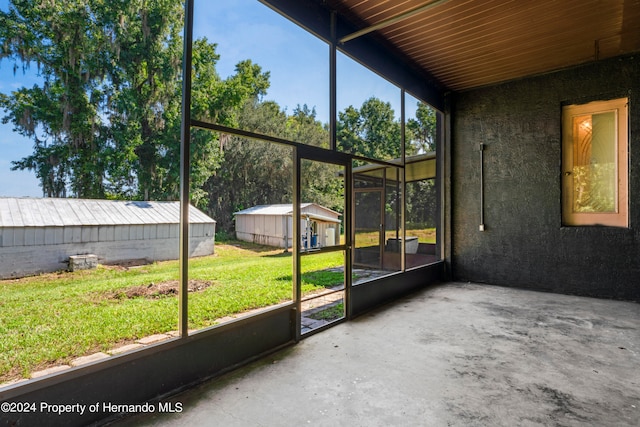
(369, 108)
(594, 161)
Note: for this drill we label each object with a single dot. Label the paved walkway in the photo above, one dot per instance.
(315, 303)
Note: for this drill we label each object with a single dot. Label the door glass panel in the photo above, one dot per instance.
(378, 231)
(594, 168)
(322, 282)
(322, 266)
(322, 207)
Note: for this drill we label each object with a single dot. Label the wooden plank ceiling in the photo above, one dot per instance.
(470, 43)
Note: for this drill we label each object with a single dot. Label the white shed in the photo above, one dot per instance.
(40, 234)
(272, 225)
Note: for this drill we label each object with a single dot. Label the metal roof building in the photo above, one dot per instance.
(272, 225)
(40, 234)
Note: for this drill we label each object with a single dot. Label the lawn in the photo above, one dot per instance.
(52, 318)
(372, 238)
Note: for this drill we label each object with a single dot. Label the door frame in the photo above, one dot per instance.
(319, 155)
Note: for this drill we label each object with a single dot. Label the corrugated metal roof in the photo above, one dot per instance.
(280, 209)
(285, 209)
(50, 212)
(321, 217)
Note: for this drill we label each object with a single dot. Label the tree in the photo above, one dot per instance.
(257, 172)
(252, 172)
(320, 182)
(420, 196)
(143, 102)
(371, 131)
(422, 204)
(61, 116)
(421, 131)
(106, 120)
(304, 127)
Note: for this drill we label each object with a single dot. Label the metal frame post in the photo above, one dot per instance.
(348, 222)
(400, 173)
(297, 292)
(333, 83)
(185, 165)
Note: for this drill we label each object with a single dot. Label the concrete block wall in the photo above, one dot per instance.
(525, 244)
(32, 250)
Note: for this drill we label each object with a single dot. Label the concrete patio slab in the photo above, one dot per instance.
(457, 354)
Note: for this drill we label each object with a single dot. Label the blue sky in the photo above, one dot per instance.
(242, 29)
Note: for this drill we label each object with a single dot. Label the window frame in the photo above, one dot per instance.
(620, 217)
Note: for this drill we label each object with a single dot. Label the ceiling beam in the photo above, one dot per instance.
(392, 20)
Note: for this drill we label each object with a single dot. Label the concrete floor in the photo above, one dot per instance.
(454, 355)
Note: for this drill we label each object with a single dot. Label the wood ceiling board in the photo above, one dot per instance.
(466, 43)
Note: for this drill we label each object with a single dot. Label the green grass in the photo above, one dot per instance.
(53, 318)
(371, 238)
(332, 313)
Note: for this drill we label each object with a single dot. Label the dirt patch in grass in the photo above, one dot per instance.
(157, 290)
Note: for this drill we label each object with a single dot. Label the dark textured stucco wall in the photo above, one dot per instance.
(524, 243)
